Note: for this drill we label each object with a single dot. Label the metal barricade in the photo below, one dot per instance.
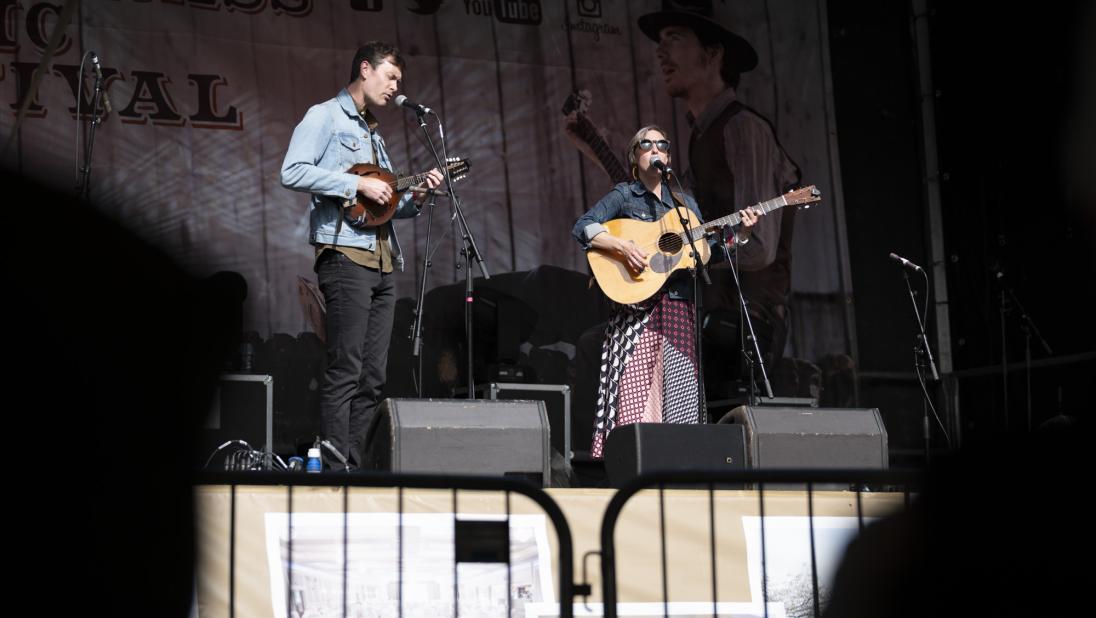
(718, 483)
(478, 540)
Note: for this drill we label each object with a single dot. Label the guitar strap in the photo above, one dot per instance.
(372, 143)
(680, 200)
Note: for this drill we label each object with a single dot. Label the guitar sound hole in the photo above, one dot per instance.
(670, 243)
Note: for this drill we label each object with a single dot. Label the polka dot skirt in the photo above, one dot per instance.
(648, 367)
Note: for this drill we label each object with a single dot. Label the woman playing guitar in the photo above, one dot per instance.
(648, 360)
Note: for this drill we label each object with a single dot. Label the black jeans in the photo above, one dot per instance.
(360, 306)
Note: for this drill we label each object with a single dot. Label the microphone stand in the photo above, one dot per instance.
(744, 318)
(416, 327)
(702, 409)
(83, 185)
(1003, 309)
(339, 456)
(470, 250)
(1027, 326)
(920, 352)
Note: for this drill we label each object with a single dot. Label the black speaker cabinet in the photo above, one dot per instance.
(648, 447)
(809, 438)
(462, 436)
(242, 409)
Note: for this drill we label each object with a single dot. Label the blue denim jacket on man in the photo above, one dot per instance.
(632, 200)
(331, 138)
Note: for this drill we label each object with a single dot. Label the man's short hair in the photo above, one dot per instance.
(711, 38)
(375, 52)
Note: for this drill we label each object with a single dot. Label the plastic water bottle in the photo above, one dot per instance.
(314, 464)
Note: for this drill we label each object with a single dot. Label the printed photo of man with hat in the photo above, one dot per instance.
(734, 161)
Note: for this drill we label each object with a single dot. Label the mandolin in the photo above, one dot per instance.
(364, 212)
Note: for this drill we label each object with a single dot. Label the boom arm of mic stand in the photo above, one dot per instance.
(416, 331)
(746, 318)
(470, 249)
(466, 232)
(702, 267)
(1026, 318)
(701, 395)
(83, 190)
(921, 328)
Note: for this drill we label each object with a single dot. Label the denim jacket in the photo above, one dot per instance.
(328, 141)
(632, 200)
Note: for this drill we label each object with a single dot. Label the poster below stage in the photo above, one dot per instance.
(788, 558)
(373, 547)
(654, 610)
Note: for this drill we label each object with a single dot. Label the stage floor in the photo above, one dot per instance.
(370, 537)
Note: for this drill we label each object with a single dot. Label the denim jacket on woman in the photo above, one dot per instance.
(632, 200)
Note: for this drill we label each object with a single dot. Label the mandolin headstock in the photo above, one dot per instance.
(457, 167)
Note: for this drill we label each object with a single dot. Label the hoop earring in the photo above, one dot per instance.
(635, 172)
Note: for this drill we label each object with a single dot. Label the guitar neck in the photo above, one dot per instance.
(735, 218)
(589, 134)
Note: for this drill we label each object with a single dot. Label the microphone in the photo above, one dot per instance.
(99, 76)
(402, 101)
(661, 166)
(904, 262)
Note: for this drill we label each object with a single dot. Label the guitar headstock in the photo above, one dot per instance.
(458, 167)
(803, 197)
(577, 103)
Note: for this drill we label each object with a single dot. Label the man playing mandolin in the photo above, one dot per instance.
(354, 263)
(648, 358)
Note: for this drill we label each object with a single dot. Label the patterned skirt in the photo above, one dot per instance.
(648, 367)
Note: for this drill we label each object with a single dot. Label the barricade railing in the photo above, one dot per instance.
(486, 540)
(763, 482)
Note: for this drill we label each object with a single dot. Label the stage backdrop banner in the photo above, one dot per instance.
(206, 93)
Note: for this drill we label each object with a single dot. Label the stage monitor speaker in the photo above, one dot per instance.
(638, 448)
(462, 436)
(810, 438)
(242, 409)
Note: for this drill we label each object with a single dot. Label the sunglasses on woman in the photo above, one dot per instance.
(646, 144)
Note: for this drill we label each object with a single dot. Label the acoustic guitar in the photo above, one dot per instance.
(364, 212)
(667, 247)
